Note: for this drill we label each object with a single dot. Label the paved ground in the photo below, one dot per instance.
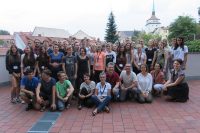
(158, 117)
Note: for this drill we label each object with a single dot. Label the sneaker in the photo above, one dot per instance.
(18, 100)
(42, 109)
(68, 106)
(22, 102)
(107, 109)
(79, 107)
(29, 107)
(13, 100)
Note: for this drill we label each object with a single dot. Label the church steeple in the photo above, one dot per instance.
(153, 10)
(153, 22)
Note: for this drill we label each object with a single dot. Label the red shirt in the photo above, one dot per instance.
(158, 78)
(112, 79)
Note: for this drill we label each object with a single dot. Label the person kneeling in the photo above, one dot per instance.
(144, 85)
(102, 95)
(86, 91)
(158, 80)
(28, 86)
(128, 84)
(64, 90)
(45, 92)
(176, 88)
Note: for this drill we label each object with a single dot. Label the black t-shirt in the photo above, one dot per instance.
(43, 62)
(46, 87)
(150, 54)
(82, 65)
(13, 66)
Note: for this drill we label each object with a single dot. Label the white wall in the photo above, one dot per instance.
(192, 70)
(193, 65)
(4, 75)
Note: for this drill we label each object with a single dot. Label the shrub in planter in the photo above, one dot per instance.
(193, 46)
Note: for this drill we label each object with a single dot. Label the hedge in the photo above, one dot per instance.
(193, 46)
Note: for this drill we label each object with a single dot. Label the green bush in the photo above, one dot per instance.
(1, 42)
(193, 46)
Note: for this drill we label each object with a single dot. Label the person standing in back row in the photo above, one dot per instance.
(180, 51)
(56, 62)
(99, 63)
(83, 66)
(70, 65)
(110, 55)
(13, 62)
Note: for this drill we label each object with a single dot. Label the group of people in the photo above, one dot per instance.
(50, 75)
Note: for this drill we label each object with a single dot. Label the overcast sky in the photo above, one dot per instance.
(90, 15)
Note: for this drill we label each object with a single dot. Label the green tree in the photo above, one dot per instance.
(111, 31)
(4, 32)
(136, 33)
(198, 29)
(147, 36)
(1, 42)
(184, 26)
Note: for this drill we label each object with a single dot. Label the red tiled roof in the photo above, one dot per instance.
(3, 50)
(6, 37)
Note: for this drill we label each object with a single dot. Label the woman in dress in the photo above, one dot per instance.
(83, 66)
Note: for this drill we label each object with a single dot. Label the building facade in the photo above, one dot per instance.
(153, 22)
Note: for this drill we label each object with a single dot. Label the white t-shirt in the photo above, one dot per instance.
(128, 79)
(145, 82)
(179, 53)
(103, 90)
(89, 87)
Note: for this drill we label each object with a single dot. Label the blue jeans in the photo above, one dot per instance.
(101, 104)
(60, 105)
